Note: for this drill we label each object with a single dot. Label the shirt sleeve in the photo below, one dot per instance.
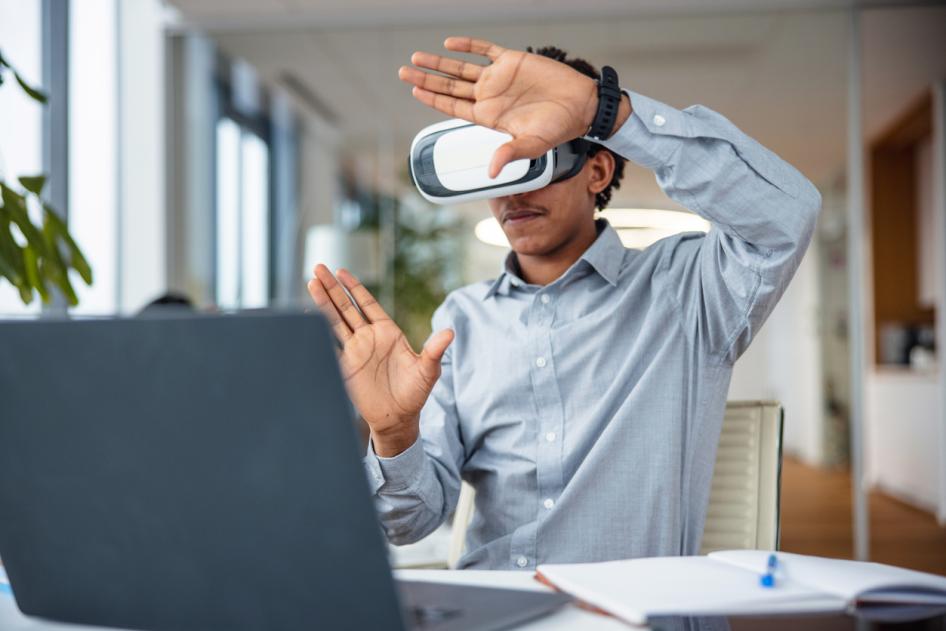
(418, 489)
(761, 209)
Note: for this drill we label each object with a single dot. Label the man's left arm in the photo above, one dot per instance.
(762, 212)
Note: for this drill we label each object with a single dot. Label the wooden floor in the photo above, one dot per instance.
(816, 519)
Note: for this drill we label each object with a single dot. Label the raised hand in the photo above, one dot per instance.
(540, 102)
(387, 381)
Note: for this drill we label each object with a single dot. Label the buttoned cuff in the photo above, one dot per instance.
(651, 135)
(395, 474)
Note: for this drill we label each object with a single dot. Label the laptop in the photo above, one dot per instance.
(192, 472)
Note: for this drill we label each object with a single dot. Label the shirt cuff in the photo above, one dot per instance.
(397, 473)
(652, 133)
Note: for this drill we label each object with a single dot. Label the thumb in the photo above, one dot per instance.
(517, 149)
(433, 350)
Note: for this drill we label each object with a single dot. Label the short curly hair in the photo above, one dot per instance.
(603, 198)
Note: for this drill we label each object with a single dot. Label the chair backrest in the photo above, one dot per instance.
(743, 511)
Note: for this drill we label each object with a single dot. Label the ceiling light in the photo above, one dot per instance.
(637, 227)
(491, 233)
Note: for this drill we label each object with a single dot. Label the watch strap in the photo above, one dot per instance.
(609, 99)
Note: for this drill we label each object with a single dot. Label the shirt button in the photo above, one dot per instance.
(659, 120)
(545, 299)
(540, 362)
(550, 436)
(522, 561)
(548, 503)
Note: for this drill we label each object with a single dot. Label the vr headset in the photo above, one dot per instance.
(449, 163)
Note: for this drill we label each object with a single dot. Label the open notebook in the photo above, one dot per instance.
(727, 583)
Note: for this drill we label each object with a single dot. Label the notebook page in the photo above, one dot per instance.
(850, 580)
(640, 588)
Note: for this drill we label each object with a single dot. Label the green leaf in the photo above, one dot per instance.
(26, 295)
(55, 267)
(34, 93)
(7, 270)
(77, 258)
(16, 206)
(33, 183)
(32, 273)
(61, 279)
(49, 253)
(11, 251)
(13, 255)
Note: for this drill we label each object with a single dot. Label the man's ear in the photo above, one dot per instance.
(601, 169)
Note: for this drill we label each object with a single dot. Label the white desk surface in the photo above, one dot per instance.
(568, 618)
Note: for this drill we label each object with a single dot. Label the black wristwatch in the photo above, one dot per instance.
(609, 99)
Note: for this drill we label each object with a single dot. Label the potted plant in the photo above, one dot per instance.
(35, 257)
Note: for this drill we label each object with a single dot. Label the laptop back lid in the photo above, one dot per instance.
(185, 473)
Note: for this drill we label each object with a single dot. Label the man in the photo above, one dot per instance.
(584, 392)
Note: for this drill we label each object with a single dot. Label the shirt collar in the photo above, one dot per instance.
(605, 256)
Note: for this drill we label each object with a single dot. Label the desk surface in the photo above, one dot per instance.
(568, 618)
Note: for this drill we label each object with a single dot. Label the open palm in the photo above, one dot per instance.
(387, 381)
(539, 101)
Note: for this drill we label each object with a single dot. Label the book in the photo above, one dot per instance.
(727, 583)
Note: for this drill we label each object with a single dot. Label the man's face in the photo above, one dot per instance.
(540, 222)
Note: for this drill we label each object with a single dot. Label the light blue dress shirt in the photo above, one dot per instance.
(586, 412)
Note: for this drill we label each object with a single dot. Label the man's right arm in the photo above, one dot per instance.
(417, 489)
(397, 391)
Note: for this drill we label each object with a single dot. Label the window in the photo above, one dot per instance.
(243, 217)
(93, 159)
(21, 143)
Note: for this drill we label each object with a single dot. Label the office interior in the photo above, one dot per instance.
(217, 149)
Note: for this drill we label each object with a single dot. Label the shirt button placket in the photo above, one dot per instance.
(548, 464)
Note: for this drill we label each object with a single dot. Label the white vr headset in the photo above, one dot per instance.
(449, 163)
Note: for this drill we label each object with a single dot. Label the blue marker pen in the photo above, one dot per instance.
(768, 579)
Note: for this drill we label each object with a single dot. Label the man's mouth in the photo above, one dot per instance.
(518, 216)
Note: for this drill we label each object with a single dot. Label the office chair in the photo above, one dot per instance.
(743, 510)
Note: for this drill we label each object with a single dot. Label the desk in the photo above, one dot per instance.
(568, 618)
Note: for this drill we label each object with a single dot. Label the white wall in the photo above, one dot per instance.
(318, 184)
(902, 418)
(142, 239)
(117, 151)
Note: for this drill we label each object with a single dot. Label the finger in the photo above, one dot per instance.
(366, 302)
(457, 108)
(475, 46)
(340, 299)
(324, 303)
(435, 83)
(433, 351)
(453, 67)
(530, 147)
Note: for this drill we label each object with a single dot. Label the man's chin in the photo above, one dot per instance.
(529, 246)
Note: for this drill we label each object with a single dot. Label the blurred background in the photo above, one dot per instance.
(218, 148)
